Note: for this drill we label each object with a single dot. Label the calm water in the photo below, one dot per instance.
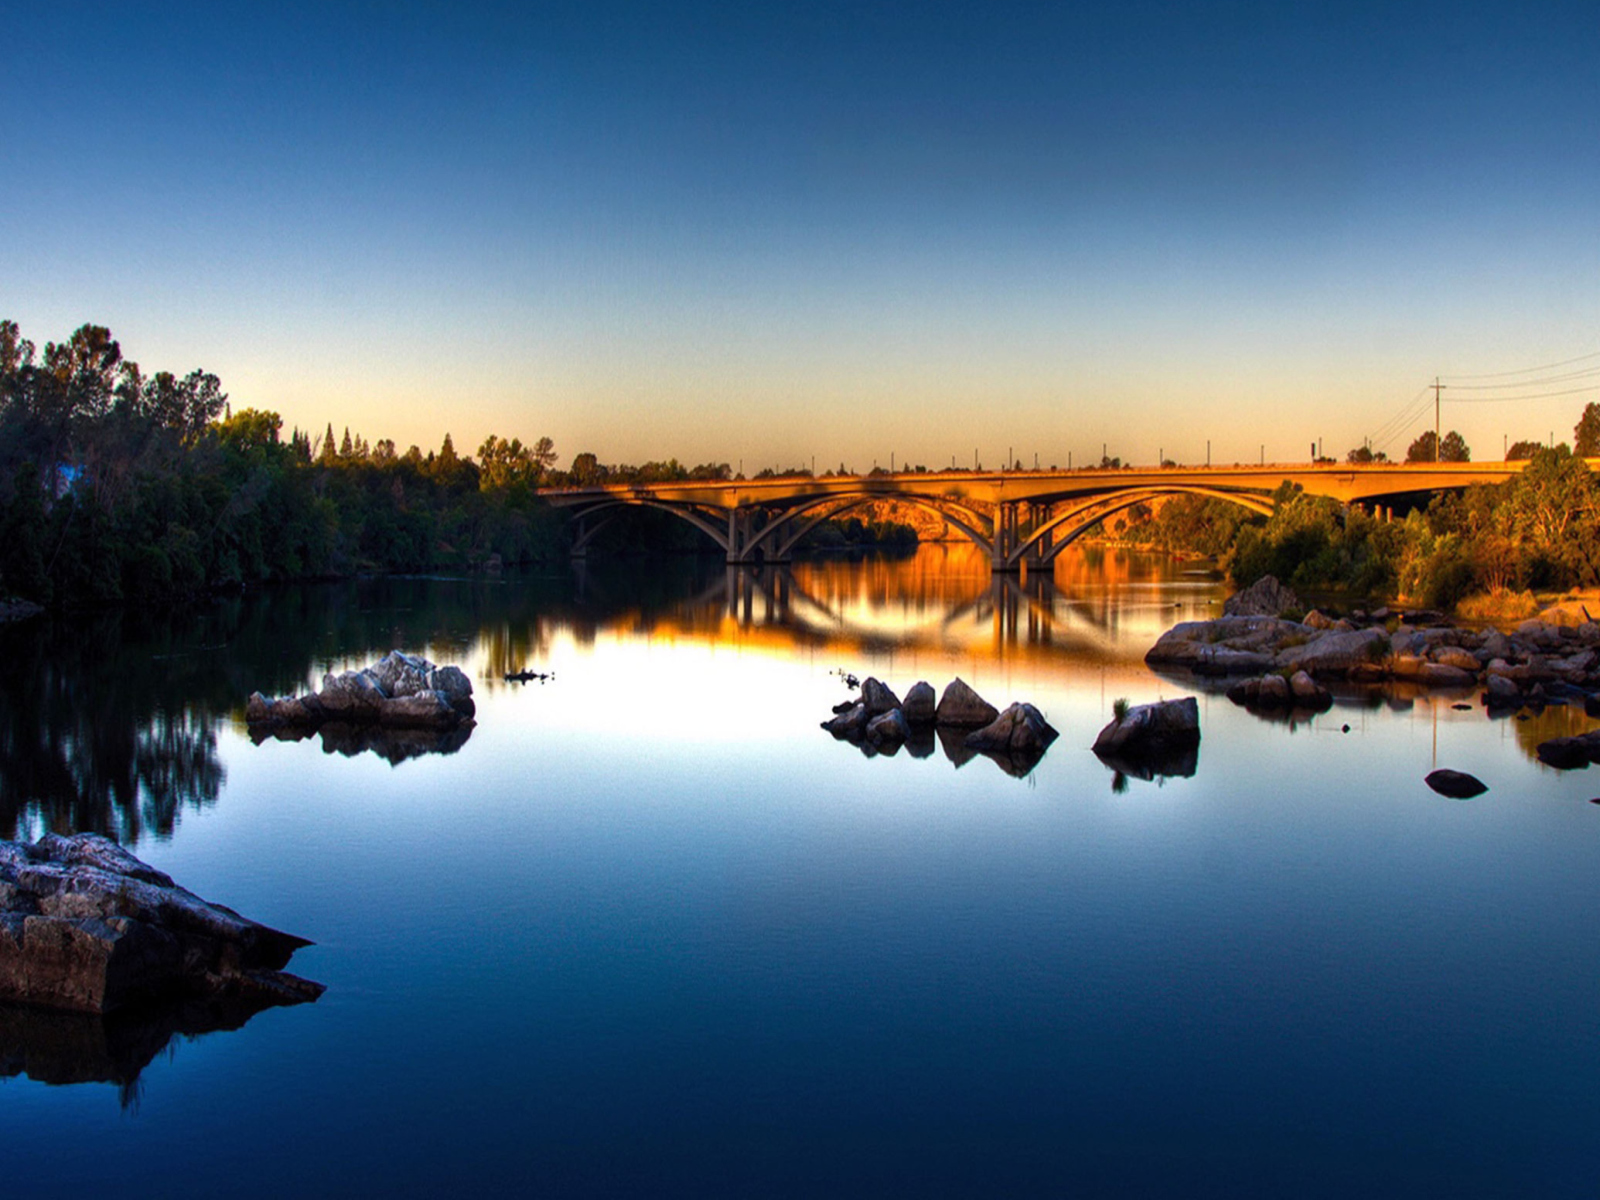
(650, 931)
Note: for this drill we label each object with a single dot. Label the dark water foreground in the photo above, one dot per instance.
(648, 930)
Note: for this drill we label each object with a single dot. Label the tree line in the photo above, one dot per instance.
(1537, 531)
(121, 485)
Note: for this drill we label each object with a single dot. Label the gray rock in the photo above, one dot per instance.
(961, 706)
(920, 704)
(888, 728)
(419, 710)
(878, 696)
(1266, 597)
(354, 695)
(850, 723)
(1501, 692)
(1021, 727)
(1308, 693)
(1335, 653)
(1455, 656)
(87, 926)
(400, 674)
(1438, 675)
(1163, 728)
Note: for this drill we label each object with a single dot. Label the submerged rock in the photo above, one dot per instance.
(85, 925)
(1570, 753)
(1457, 785)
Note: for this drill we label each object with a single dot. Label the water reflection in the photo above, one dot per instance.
(392, 744)
(59, 1048)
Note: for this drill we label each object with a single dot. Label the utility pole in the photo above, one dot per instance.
(1437, 445)
(1208, 452)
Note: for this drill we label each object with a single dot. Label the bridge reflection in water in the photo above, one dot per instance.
(1098, 604)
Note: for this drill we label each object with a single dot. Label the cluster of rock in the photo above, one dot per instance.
(1147, 740)
(1571, 753)
(1540, 662)
(400, 690)
(880, 719)
(84, 925)
(1277, 692)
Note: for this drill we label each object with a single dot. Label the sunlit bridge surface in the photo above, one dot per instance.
(649, 930)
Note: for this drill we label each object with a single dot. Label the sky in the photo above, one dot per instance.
(826, 232)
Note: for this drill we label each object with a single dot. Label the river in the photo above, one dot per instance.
(649, 930)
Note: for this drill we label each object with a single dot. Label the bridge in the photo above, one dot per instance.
(1017, 518)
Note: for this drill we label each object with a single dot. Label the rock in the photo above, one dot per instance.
(1500, 692)
(400, 674)
(352, 696)
(1157, 730)
(1273, 692)
(1318, 620)
(1494, 645)
(1335, 653)
(1458, 785)
(1308, 693)
(1455, 656)
(1266, 597)
(1407, 666)
(878, 696)
(889, 727)
(1591, 706)
(402, 690)
(1228, 645)
(850, 723)
(920, 704)
(84, 925)
(419, 710)
(1538, 633)
(1438, 675)
(1021, 727)
(1567, 753)
(961, 706)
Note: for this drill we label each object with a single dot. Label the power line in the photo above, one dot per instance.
(1534, 396)
(1568, 377)
(1527, 370)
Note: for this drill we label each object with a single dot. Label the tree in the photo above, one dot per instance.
(1427, 449)
(1586, 434)
(1522, 451)
(1365, 454)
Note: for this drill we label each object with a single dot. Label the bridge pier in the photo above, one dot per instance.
(1005, 538)
(1038, 558)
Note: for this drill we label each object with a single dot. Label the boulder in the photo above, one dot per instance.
(1266, 597)
(1566, 753)
(1500, 692)
(400, 674)
(1308, 693)
(920, 704)
(1457, 785)
(1439, 675)
(1455, 656)
(878, 696)
(1021, 727)
(890, 728)
(1335, 653)
(85, 925)
(1273, 692)
(352, 696)
(419, 710)
(1318, 620)
(1164, 728)
(850, 723)
(961, 706)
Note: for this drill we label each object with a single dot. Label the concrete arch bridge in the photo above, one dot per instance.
(1016, 518)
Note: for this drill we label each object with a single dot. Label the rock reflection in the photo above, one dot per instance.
(54, 1047)
(392, 744)
(1150, 768)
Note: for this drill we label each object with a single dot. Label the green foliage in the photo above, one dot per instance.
(1452, 449)
(114, 486)
(1586, 434)
(1119, 708)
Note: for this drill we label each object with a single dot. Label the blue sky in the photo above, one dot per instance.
(840, 230)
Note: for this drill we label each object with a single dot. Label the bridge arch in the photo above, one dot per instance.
(957, 515)
(611, 506)
(1079, 519)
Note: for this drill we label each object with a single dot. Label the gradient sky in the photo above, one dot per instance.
(733, 232)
